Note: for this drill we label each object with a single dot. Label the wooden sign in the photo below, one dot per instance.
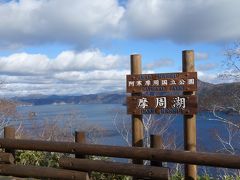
(185, 81)
(138, 105)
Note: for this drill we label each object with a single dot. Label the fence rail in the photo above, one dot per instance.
(185, 157)
(6, 158)
(115, 168)
(67, 171)
(40, 172)
(78, 168)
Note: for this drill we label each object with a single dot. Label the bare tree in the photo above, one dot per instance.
(123, 126)
(152, 124)
(232, 72)
(8, 112)
(228, 137)
(232, 62)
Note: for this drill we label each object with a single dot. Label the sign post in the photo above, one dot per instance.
(185, 104)
(137, 124)
(189, 120)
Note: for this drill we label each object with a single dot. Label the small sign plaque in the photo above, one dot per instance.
(138, 105)
(165, 82)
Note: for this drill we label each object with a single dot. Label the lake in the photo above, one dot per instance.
(102, 115)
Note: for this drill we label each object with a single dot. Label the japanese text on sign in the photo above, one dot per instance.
(162, 105)
(186, 81)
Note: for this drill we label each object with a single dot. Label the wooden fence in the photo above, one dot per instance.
(78, 167)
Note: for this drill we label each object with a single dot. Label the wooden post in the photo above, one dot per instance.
(80, 138)
(137, 124)
(156, 142)
(189, 120)
(9, 133)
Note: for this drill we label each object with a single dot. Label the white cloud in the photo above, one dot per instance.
(70, 72)
(160, 64)
(24, 63)
(207, 67)
(36, 64)
(76, 22)
(183, 21)
(201, 56)
(87, 60)
(85, 72)
(92, 76)
(80, 22)
(209, 77)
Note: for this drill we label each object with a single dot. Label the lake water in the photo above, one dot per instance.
(82, 116)
(103, 115)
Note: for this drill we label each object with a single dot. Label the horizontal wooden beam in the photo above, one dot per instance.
(39, 172)
(185, 157)
(6, 158)
(115, 168)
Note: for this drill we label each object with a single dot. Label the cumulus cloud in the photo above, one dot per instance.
(37, 64)
(28, 22)
(88, 60)
(182, 21)
(160, 64)
(92, 75)
(201, 55)
(85, 72)
(209, 77)
(207, 66)
(23, 64)
(80, 23)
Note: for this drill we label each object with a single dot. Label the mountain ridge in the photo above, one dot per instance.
(209, 96)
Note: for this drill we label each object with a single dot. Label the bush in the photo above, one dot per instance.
(38, 158)
(50, 159)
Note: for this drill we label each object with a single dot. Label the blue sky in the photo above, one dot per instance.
(83, 46)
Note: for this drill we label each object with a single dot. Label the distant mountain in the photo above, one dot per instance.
(209, 95)
(202, 85)
(57, 99)
(225, 95)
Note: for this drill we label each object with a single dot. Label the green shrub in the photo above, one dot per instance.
(205, 177)
(50, 159)
(177, 176)
(37, 158)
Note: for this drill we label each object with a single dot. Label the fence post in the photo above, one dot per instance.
(137, 124)
(9, 133)
(189, 120)
(156, 142)
(80, 138)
